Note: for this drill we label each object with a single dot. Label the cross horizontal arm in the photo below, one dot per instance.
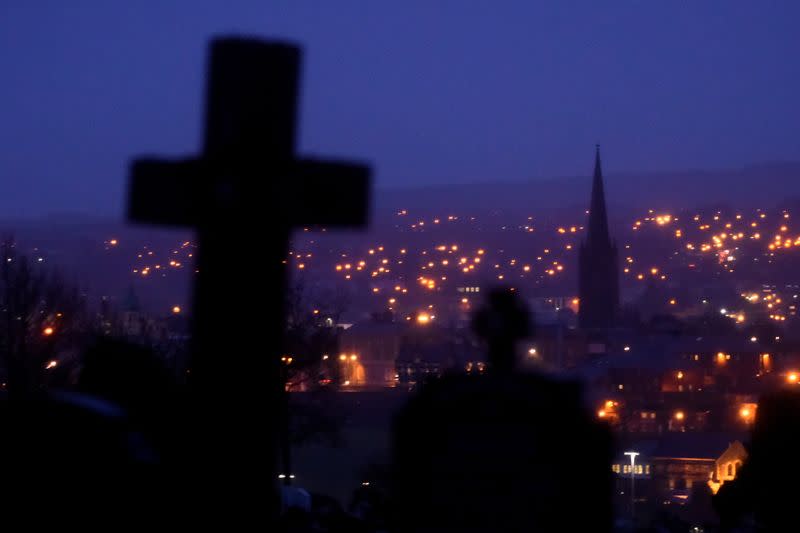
(331, 193)
(165, 191)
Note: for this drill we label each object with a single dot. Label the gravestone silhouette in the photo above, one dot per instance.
(764, 493)
(505, 451)
(243, 196)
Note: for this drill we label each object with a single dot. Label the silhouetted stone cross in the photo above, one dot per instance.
(244, 194)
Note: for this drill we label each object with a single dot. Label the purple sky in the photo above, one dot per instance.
(429, 91)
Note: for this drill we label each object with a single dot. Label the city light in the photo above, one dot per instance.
(747, 412)
(426, 271)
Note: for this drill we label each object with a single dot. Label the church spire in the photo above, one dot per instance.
(598, 280)
(598, 219)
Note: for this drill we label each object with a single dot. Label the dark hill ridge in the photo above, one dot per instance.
(763, 185)
(78, 247)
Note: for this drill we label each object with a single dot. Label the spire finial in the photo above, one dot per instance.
(598, 223)
(597, 160)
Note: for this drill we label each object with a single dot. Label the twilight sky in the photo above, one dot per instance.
(428, 91)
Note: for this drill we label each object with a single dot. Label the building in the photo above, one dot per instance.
(598, 276)
(727, 465)
(136, 325)
(432, 350)
(672, 468)
(368, 353)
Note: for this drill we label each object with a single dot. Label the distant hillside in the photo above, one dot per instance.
(79, 245)
(754, 186)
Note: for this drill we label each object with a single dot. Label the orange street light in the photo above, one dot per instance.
(747, 412)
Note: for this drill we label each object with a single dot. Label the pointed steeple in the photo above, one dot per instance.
(598, 219)
(598, 278)
(131, 301)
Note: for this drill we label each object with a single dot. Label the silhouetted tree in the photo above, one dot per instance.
(312, 333)
(310, 360)
(43, 321)
(169, 340)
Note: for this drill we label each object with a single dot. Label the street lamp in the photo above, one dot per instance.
(632, 455)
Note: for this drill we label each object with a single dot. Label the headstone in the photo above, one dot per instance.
(764, 493)
(505, 451)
